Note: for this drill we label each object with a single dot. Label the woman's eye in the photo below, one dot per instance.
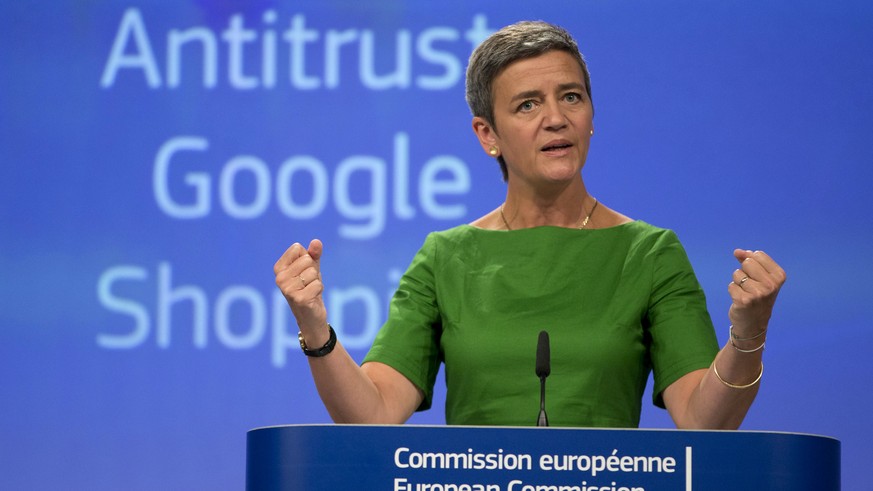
(526, 106)
(573, 97)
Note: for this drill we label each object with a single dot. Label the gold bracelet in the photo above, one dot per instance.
(733, 386)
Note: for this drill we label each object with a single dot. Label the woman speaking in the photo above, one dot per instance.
(617, 296)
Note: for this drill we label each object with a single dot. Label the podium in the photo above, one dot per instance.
(465, 458)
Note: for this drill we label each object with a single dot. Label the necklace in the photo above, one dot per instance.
(584, 222)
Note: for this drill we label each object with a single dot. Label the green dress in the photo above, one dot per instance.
(618, 303)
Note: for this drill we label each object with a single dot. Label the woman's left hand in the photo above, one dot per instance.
(753, 291)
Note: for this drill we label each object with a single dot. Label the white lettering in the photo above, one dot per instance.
(369, 301)
(479, 31)
(402, 72)
(451, 65)
(610, 463)
(298, 36)
(240, 315)
(398, 462)
(360, 187)
(268, 52)
(176, 40)
(319, 187)
(402, 208)
(334, 40)
(282, 340)
(404, 458)
(143, 58)
(372, 211)
(114, 304)
(245, 46)
(457, 184)
(198, 180)
(257, 310)
(236, 37)
(262, 187)
(168, 296)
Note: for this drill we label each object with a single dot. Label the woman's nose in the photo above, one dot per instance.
(553, 117)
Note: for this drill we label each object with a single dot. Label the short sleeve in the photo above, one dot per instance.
(682, 336)
(409, 339)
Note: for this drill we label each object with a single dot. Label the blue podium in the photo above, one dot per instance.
(455, 458)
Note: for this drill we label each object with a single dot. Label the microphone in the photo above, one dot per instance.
(543, 370)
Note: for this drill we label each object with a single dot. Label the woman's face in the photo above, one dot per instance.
(542, 119)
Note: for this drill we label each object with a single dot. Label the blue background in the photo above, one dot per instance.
(737, 124)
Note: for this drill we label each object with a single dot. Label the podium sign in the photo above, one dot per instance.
(464, 458)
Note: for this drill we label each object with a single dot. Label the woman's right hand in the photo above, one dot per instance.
(372, 394)
(298, 276)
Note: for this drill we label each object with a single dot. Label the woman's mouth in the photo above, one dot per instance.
(556, 146)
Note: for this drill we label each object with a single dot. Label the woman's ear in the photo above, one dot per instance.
(486, 135)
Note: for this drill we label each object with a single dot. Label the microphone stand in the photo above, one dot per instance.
(542, 419)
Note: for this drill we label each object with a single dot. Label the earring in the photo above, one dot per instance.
(592, 132)
(493, 151)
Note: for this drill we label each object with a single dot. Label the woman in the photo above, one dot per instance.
(617, 296)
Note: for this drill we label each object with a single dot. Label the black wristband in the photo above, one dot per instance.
(324, 350)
